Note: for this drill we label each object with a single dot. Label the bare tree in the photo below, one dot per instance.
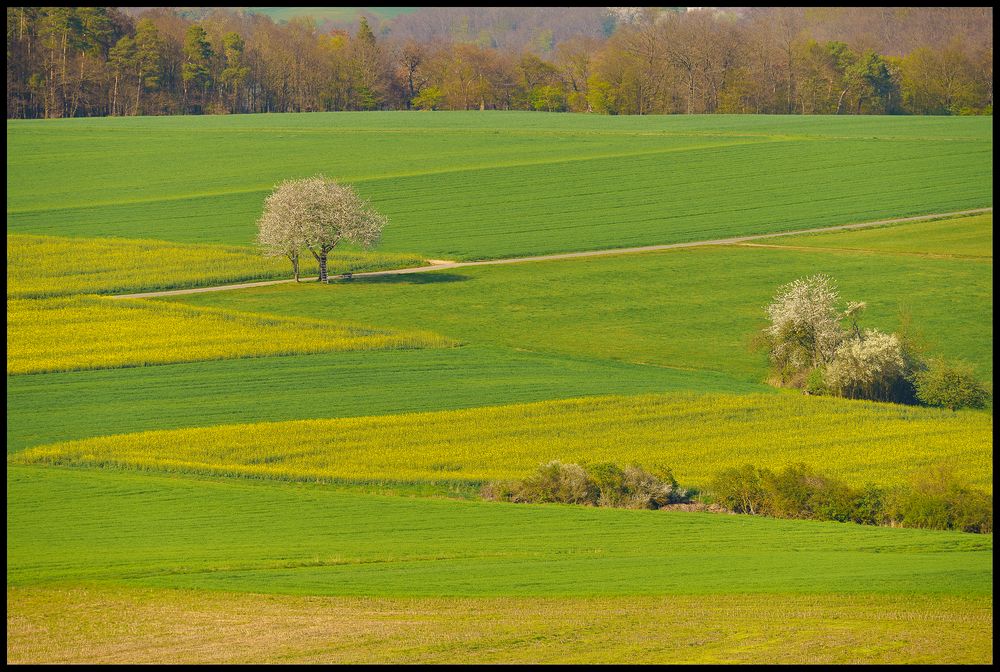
(316, 213)
(573, 58)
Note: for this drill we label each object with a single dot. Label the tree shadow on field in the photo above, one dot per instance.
(423, 278)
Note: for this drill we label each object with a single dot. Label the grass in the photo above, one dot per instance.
(93, 332)
(122, 566)
(143, 625)
(54, 407)
(72, 526)
(688, 308)
(43, 266)
(471, 185)
(970, 237)
(695, 435)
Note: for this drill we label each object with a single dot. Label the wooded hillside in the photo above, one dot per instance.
(93, 61)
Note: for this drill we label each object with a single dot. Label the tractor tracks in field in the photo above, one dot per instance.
(439, 264)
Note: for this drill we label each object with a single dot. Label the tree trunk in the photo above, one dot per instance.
(65, 76)
(78, 90)
(322, 268)
(840, 102)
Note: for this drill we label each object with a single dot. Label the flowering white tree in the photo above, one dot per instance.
(278, 236)
(866, 366)
(805, 327)
(316, 213)
(810, 347)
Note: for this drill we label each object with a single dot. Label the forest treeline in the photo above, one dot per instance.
(94, 61)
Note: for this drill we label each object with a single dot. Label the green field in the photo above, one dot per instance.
(463, 185)
(303, 539)
(655, 308)
(177, 527)
(970, 237)
(443, 580)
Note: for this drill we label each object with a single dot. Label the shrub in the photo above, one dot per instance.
(786, 494)
(557, 482)
(799, 491)
(937, 500)
(645, 491)
(934, 500)
(678, 495)
(498, 491)
(610, 480)
(739, 490)
(868, 506)
(831, 499)
(634, 487)
(866, 367)
(952, 386)
(973, 512)
(603, 484)
(815, 384)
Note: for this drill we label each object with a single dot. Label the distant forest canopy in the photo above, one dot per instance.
(94, 61)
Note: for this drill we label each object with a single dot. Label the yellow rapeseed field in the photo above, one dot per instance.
(40, 266)
(695, 434)
(94, 332)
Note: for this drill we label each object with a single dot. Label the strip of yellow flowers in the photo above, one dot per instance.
(94, 332)
(695, 434)
(41, 266)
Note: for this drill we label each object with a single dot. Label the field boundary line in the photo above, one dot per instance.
(443, 265)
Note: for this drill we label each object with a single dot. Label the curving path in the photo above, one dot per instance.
(437, 264)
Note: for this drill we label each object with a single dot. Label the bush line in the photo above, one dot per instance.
(934, 499)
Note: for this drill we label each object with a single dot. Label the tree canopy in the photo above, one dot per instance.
(810, 348)
(316, 213)
(81, 61)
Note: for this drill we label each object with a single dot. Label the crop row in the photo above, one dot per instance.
(93, 332)
(695, 435)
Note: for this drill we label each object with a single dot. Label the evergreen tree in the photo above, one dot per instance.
(235, 73)
(196, 73)
(149, 48)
